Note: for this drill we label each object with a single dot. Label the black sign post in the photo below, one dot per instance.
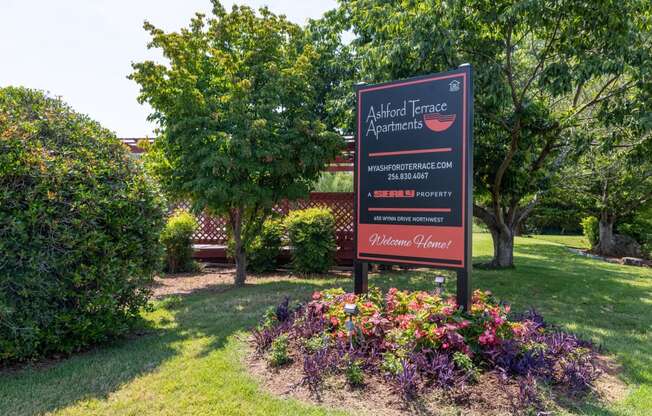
(414, 175)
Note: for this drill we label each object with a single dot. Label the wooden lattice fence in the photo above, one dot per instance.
(212, 230)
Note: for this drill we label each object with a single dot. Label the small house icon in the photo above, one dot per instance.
(454, 85)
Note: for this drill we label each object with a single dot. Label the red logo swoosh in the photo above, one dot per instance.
(438, 122)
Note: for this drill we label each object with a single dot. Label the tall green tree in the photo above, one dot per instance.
(613, 178)
(237, 107)
(541, 69)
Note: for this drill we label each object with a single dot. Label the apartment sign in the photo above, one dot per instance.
(414, 171)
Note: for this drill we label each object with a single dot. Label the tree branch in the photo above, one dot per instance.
(541, 61)
(485, 216)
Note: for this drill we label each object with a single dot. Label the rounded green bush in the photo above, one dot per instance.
(177, 239)
(79, 229)
(312, 237)
(263, 252)
(591, 230)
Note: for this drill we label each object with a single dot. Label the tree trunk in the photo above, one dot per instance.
(503, 224)
(503, 239)
(238, 249)
(606, 239)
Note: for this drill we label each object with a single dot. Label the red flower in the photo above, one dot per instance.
(335, 321)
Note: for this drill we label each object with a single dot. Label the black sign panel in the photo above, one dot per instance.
(414, 170)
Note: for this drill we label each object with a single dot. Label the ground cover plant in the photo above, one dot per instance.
(192, 357)
(419, 341)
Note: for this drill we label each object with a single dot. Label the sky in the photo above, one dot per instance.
(82, 50)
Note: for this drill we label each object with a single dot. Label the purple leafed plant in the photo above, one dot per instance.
(315, 367)
(407, 380)
(264, 335)
(438, 368)
(578, 375)
(531, 315)
(308, 324)
(283, 311)
(527, 398)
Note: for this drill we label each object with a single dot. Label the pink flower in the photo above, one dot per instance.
(445, 345)
(316, 295)
(335, 321)
(463, 324)
(487, 337)
(448, 310)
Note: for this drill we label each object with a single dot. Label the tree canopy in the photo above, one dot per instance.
(613, 178)
(542, 69)
(237, 105)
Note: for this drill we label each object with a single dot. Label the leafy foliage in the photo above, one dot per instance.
(177, 239)
(354, 374)
(79, 229)
(544, 70)
(590, 230)
(237, 107)
(312, 237)
(279, 351)
(265, 247)
(613, 180)
(639, 227)
(334, 182)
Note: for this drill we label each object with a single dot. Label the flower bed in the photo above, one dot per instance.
(418, 342)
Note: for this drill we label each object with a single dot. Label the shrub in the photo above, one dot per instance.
(640, 229)
(264, 249)
(591, 230)
(279, 353)
(177, 239)
(312, 237)
(79, 229)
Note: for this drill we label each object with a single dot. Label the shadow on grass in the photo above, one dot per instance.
(604, 302)
(215, 314)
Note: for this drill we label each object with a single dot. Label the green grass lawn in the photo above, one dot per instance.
(189, 361)
(576, 241)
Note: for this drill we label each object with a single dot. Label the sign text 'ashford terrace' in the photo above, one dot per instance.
(414, 171)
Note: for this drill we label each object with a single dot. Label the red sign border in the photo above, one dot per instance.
(465, 75)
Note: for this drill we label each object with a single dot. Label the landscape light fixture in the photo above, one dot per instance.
(440, 280)
(350, 309)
